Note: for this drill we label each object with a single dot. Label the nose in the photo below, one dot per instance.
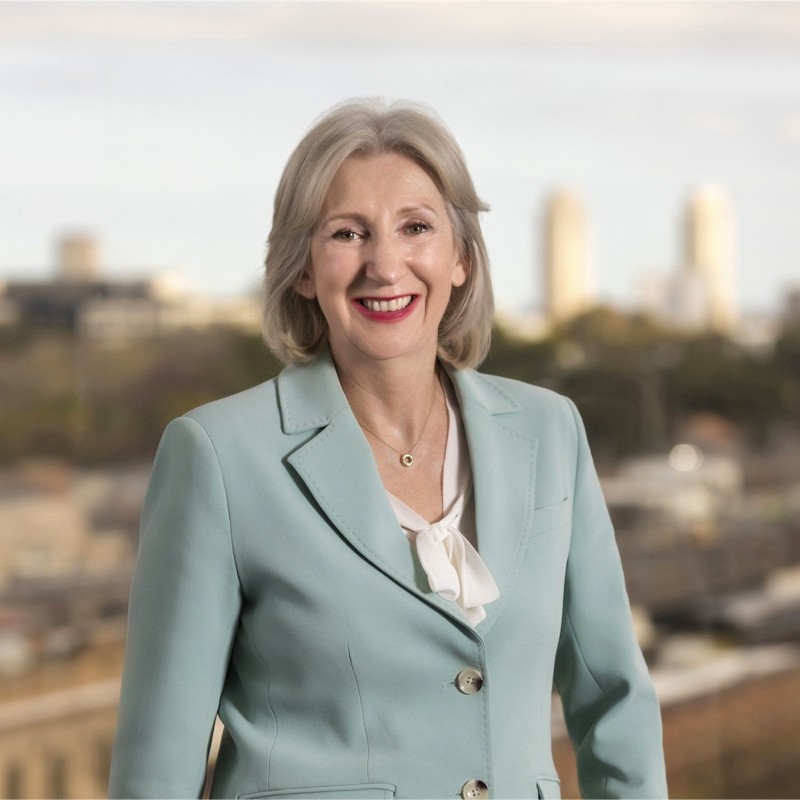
(383, 259)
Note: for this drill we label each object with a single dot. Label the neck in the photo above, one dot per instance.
(390, 397)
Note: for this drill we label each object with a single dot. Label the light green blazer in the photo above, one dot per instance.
(275, 587)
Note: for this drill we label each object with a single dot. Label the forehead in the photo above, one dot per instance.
(386, 177)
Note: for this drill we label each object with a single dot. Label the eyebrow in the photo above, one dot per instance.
(344, 216)
(418, 207)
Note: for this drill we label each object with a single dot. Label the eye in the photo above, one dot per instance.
(418, 227)
(346, 235)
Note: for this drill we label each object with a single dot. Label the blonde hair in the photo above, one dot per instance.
(293, 326)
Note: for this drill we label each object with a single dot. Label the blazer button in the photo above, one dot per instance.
(474, 790)
(469, 681)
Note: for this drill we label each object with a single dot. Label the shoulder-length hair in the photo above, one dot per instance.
(293, 326)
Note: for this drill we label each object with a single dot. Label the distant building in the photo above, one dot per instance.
(167, 307)
(79, 258)
(791, 312)
(81, 299)
(78, 279)
(56, 522)
(708, 253)
(678, 299)
(700, 295)
(566, 257)
(58, 744)
(58, 303)
(119, 319)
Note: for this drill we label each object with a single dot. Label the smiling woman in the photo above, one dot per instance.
(384, 252)
(297, 331)
(374, 568)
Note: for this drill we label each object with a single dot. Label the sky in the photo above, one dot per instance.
(162, 128)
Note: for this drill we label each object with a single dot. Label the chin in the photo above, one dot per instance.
(383, 351)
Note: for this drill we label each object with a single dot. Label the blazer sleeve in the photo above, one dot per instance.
(184, 609)
(610, 707)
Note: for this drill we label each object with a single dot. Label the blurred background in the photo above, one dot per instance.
(642, 162)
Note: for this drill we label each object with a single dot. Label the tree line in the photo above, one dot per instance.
(634, 382)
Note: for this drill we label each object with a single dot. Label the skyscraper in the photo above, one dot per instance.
(78, 257)
(708, 254)
(566, 257)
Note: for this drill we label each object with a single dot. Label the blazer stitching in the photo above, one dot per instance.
(236, 567)
(274, 717)
(293, 425)
(248, 627)
(269, 702)
(224, 491)
(222, 663)
(361, 709)
(516, 434)
(574, 636)
(341, 524)
(510, 403)
(573, 633)
(487, 732)
(300, 425)
(522, 546)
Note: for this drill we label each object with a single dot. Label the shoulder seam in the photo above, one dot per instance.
(224, 489)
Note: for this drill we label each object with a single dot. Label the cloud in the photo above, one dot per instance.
(599, 22)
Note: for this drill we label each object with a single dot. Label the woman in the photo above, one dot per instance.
(375, 566)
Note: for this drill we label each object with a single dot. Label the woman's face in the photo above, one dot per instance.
(383, 261)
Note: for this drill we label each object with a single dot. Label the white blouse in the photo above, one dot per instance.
(446, 548)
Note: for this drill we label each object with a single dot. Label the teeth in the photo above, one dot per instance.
(395, 304)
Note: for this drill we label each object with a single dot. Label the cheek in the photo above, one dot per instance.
(333, 276)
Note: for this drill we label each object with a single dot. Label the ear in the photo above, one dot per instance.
(458, 276)
(304, 286)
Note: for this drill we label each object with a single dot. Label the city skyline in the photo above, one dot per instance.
(162, 128)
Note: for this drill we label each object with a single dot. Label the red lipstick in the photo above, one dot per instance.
(385, 316)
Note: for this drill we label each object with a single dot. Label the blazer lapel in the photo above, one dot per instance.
(338, 469)
(504, 473)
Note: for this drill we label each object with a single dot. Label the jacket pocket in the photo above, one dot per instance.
(552, 515)
(370, 791)
(547, 788)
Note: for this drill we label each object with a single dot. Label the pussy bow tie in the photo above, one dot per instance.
(455, 570)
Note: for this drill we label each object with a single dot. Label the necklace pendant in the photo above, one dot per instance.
(407, 460)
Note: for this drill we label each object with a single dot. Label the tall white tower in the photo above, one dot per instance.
(78, 257)
(709, 255)
(566, 257)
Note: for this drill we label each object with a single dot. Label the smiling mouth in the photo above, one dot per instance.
(394, 304)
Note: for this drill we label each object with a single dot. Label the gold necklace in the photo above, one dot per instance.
(406, 459)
